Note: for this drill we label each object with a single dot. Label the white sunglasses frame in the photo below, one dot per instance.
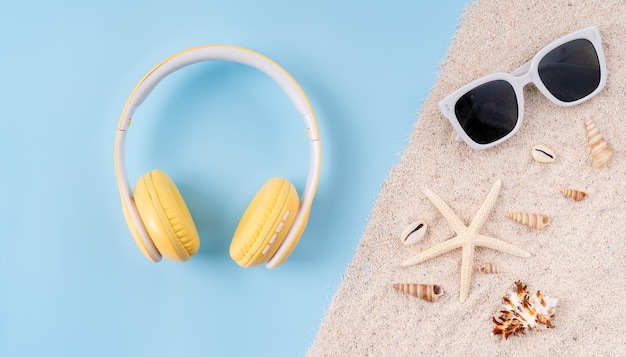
(519, 78)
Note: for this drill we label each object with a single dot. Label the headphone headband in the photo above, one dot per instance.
(231, 54)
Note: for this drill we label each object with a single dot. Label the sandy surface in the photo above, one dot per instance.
(580, 258)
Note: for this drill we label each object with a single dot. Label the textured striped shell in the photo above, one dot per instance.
(573, 194)
(532, 220)
(428, 292)
(601, 153)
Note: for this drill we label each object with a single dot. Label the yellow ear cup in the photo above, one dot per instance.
(135, 234)
(265, 223)
(166, 217)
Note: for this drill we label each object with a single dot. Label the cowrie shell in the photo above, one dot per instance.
(413, 233)
(542, 153)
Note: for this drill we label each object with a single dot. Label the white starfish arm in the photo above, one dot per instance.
(455, 222)
(435, 251)
(467, 237)
(466, 271)
(501, 246)
(481, 216)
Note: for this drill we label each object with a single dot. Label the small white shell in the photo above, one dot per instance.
(542, 153)
(488, 268)
(413, 233)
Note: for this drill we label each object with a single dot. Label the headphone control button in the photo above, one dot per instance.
(267, 249)
(273, 238)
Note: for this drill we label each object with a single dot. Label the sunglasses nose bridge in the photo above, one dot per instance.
(521, 70)
(523, 74)
(522, 80)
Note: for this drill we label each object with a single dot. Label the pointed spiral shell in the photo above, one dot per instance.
(488, 268)
(573, 194)
(428, 292)
(601, 153)
(532, 220)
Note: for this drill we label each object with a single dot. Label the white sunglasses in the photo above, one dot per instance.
(490, 109)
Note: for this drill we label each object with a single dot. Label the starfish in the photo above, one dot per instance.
(467, 237)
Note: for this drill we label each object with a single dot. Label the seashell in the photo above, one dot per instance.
(523, 312)
(542, 153)
(428, 292)
(601, 153)
(533, 220)
(413, 233)
(488, 268)
(573, 194)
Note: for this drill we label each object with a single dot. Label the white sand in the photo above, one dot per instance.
(580, 258)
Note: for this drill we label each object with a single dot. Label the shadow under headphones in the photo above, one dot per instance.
(156, 214)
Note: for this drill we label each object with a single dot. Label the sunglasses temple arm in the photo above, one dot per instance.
(521, 70)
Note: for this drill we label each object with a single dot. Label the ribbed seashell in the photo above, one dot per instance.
(413, 233)
(488, 268)
(573, 194)
(542, 153)
(428, 292)
(601, 153)
(522, 312)
(532, 220)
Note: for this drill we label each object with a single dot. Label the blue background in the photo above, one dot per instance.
(72, 281)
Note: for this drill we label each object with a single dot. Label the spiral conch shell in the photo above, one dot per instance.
(573, 194)
(428, 292)
(523, 311)
(532, 220)
(601, 153)
(488, 268)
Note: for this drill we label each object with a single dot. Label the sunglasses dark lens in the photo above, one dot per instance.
(571, 71)
(488, 112)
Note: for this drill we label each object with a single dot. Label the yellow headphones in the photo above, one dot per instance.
(156, 213)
